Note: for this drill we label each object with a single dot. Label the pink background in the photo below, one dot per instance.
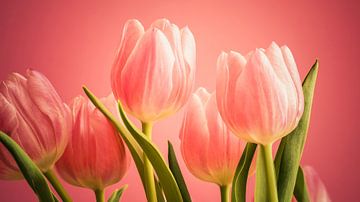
(73, 43)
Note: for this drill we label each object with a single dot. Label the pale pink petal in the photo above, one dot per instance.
(261, 110)
(132, 31)
(276, 59)
(145, 77)
(47, 101)
(292, 68)
(188, 46)
(316, 187)
(210, 151)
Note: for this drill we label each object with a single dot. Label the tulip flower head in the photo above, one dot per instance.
(316, 188)
(96, 155)
(211, 152)
(153, 74)
(259, 95)
(32, 114)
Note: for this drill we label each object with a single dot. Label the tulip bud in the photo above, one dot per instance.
(316, 188)
(96, 155)
(153, 74)
(32, 114)
(259, 96)
(211, 152)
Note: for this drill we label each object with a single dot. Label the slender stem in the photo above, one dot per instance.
(100, 196)
(148, 170)
(225, 193)
(51, 176)
(270, 172)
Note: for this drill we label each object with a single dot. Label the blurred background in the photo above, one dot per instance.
(73, 43)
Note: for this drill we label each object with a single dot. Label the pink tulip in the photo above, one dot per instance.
(32, 113)
(316, 187)
(260, 95)
(153, 74)
(95, 156)
(211, 152)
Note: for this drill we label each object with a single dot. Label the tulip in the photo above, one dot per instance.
(153, 74)
(260, 95)
(210, 151)
(316, 187)
(32, 114)
(96, 156)
(260, 98)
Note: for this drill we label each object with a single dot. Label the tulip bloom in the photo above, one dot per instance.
(316, 188)
(260, 95)
(211, 152)
(153, 74)
(95, 156)
(33, 115)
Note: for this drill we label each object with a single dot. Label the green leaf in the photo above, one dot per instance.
(116, 195)
(301, 192)
(288, 159)
(134, 148)
(159, 191)
(30, 171)
(238, 193)
(175, 169)
(170, 187)
(166, 179)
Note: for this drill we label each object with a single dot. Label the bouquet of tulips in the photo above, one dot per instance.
(226, 136)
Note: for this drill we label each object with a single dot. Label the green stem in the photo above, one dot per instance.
(148, 170)
(51, 176)
(270, 172)
(225, 193)
(100, 196)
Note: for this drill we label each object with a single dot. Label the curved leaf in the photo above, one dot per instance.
(159, 191)
(30, 171)
(288, 159)
(301, 192)
(132, 145)
(166, 179)
(176, 171)
(137, 143)
(116, 195)
(238, 193)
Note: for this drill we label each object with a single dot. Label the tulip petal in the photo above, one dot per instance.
(145, 77)
(84, 163)
(292, 68)
(210, 151)
(261, 113)
(132, 31)
(188, 46)
(45, 97)
(29, 134)
(276, 59)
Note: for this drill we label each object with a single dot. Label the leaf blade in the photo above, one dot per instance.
(238, 193)
(134, 146)
(294, 142)
(116, 195)
(30, 171)
(166, 178)
(176, 171)
(301, 192)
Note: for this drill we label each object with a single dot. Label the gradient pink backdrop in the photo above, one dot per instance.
(73, 43)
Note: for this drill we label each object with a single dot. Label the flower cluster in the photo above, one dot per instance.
(259, 99)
